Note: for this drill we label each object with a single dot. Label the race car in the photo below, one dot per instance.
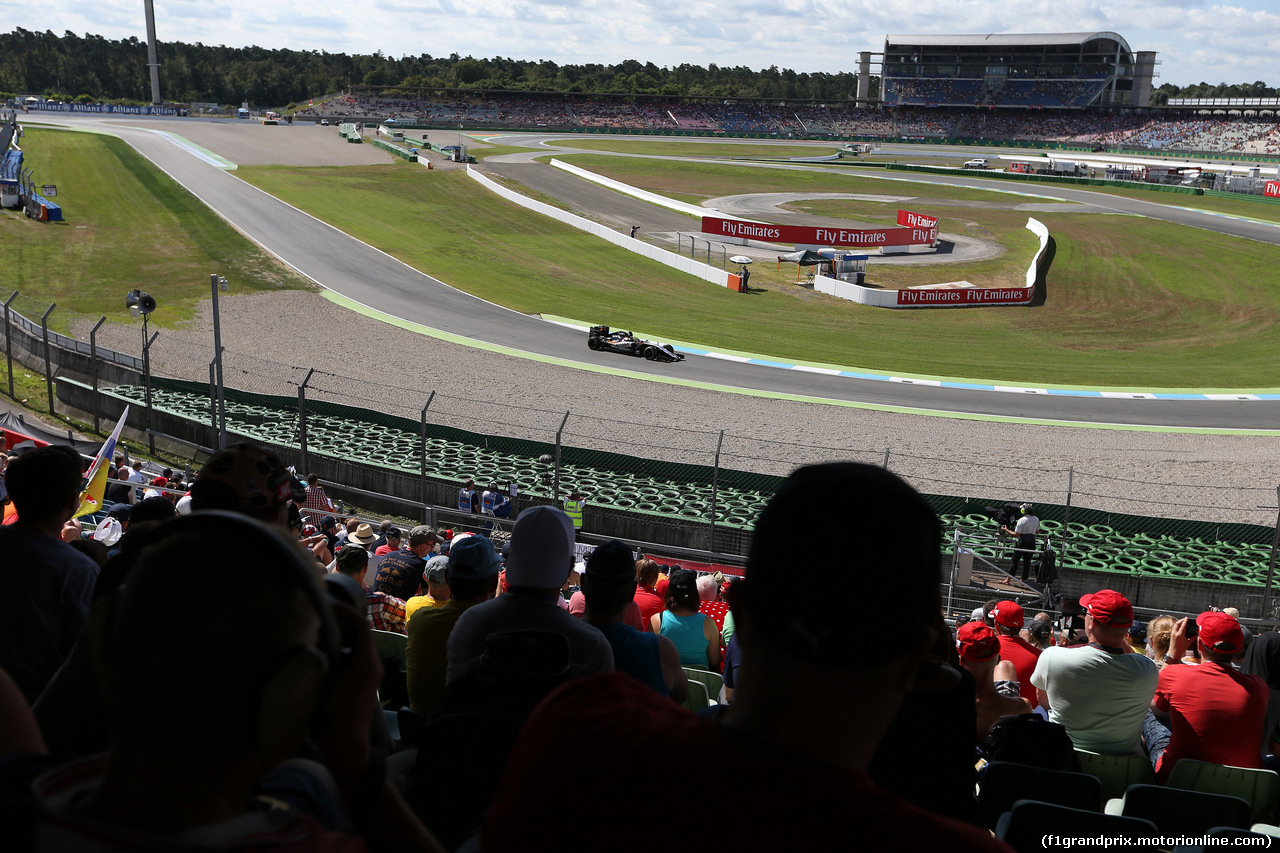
(600, 338)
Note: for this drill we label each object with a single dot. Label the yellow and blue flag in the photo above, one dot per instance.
(96, 479)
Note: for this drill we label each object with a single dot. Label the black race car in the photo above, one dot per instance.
(600, 338)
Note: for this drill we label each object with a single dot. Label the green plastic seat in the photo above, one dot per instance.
(713, 681)
(698, 697)
(1116, 772)
(1025, 825)
(1259, 788)
(1176, 811)
(1006, 782)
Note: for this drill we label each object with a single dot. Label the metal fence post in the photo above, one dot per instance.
(213, 403)
(1271, 567)
(715, 488)
(1066, 512)
(146, 375)
(93, 361)
(886, 459)
(8, 346)
(48, 367)
(221, 441)
(422, 461)
(302, 421)
(559, 431)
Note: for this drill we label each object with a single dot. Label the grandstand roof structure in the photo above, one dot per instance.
(1008, 39)
(1008, 70)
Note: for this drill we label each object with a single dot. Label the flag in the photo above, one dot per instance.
(96, 480)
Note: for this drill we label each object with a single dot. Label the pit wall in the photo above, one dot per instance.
(878, 298)
(706, 272)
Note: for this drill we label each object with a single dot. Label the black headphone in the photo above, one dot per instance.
(295, 674)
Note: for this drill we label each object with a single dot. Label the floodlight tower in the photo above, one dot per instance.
(153, 61)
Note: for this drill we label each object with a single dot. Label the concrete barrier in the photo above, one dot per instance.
(698, 269)
(879, 298)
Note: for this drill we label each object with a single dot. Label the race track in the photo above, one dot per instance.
(373, 279)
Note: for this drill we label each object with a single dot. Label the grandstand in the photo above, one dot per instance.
(1046, 71)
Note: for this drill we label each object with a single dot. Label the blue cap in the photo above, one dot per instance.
(473, 559)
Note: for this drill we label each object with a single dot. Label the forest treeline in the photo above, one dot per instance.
(102, 69)
(93, 68)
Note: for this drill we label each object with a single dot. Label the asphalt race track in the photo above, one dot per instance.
(361, 273)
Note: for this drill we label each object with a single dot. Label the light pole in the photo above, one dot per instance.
(142, 303)
(216, 283)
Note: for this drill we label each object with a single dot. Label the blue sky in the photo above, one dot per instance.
(1195, 41)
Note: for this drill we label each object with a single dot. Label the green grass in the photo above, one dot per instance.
(128, 225)
(1131, 301)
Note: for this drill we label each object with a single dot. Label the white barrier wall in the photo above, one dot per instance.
(889, 298)
(685, 265)
(694, 210)
(643, 195)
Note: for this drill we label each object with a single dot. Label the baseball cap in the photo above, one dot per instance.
(612, 561)
(327, 522)
(434, 570)
(1220, 632)
(977, 641)
(1108, 607)
(421, 535)
(108, 531)
(1008, 614)
(472, 559)
(393, 532)
(541, 548)
(120, 511)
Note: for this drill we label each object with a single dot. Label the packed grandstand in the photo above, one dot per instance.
(1243, 134)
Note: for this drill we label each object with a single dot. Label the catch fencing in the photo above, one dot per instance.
(657, 482)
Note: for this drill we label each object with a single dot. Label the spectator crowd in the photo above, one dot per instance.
(345, 686)
(1024, 109)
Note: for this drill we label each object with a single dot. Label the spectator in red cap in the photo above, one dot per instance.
(1214, 713)
(1008, 620)
(979, 649)
(1100, 692)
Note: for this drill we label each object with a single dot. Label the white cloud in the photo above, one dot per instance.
(1196, 41)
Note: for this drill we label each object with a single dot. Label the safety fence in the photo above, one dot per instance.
(655, 482)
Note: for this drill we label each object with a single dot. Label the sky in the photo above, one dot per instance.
(1195, 41)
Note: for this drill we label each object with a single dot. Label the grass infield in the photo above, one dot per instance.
(128, 225)
(1131, 302)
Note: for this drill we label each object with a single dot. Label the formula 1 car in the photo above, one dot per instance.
(600, 338)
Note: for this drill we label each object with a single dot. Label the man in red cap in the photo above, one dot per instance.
(1214, 712)
(1008, 619)
(980, 651)
(1101, 691)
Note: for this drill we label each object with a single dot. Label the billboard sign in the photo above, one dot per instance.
(916, 220)
(808, 236)
(960, 297)
(1272, 189)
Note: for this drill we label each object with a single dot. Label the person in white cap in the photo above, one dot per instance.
(538, 563)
